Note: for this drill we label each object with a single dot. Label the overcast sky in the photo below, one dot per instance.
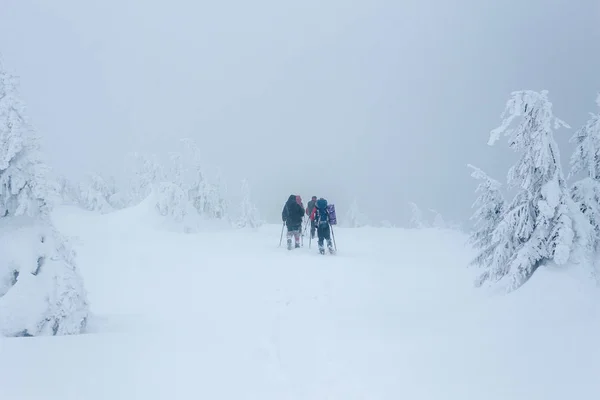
(382, 101)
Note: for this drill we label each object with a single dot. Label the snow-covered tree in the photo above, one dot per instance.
(146, 173)
(386, 224)
(249, 214)
(354, 217)
(536, 227)
(438, 220)
(41, 290)
(417, 219)
(96, 193)
(489, 207)
(67, 191)
(586, 160)
(171, 201)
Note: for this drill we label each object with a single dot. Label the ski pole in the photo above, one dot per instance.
(333, 237)
(281, 237)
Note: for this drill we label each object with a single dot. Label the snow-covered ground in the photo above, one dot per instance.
(227, 314)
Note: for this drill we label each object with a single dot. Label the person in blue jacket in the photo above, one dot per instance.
(322, 224)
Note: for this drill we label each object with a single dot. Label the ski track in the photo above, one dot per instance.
(229, 315)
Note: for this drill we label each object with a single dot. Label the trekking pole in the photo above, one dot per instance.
(306, 224)
(333, 237)
(281, 237)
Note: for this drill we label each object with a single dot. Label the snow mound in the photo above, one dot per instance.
(164, 209)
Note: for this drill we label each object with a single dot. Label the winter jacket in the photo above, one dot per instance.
(292, 213)
(310, 207)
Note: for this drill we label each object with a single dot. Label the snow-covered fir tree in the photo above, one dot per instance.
(41, 291)
(438, 219)
(96, 192)
(146, 173)
(489, 209)
(171, 201)
(67, 191)
(386, 224)
(536, 227)
(354, 217)
(586, 160)
(416, 219)
(249, 216)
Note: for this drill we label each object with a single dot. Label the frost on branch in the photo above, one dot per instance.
(41, 291)
(536, 227)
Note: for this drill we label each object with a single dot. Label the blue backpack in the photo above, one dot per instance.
(322, 217)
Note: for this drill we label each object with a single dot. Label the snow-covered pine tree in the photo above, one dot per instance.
(586, 159)
(95, 193)
(42, 292)
(536, 226)
(146, 173)
(248, 213)
(216, 197)
(197, 192)
(489, 207)
(416, 218)
(438, 219)
(355, 218)
(171, 201)
(68, 192)
(386, 224)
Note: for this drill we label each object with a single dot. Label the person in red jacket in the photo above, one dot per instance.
(310, 211)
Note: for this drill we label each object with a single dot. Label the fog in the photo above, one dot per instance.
(380, 101)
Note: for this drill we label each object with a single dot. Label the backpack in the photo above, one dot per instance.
(331, 212)
(322, 217)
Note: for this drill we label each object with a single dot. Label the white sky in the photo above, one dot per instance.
(400, 94)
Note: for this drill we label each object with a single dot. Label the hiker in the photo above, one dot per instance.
(321, 218)
(292, 215)
(310, 208)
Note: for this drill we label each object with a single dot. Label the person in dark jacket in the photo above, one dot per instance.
(322, 219)
(292, 215)
(309, 210)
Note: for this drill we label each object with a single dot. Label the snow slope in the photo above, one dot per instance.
(227, 314)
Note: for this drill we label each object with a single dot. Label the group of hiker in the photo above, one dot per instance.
(321, 216)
